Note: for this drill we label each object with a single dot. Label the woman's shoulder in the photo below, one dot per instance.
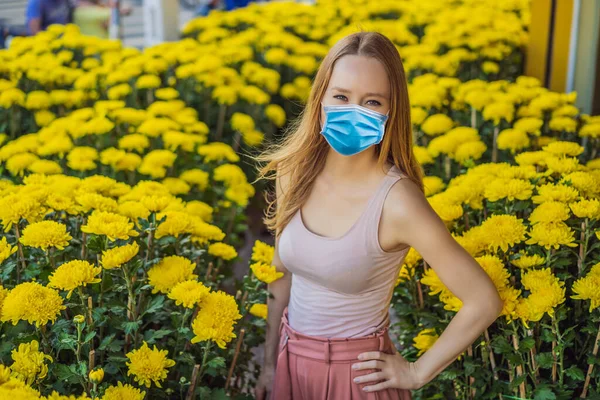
(406, 197)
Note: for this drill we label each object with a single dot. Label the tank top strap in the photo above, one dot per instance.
(373, 216)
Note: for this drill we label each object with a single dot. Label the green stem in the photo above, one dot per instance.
(78, 353)
(559, 346)
(184, 318)
(21, 255)
(204, 359)
(131, 302)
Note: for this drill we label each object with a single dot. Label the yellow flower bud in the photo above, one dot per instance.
(97, 375)
(79, 319)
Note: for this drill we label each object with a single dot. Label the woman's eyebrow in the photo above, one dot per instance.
(339, 89)
(370, 94)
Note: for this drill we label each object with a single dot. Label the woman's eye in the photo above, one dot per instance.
(340, 97)
(373, 103)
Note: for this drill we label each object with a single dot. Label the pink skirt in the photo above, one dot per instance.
(317, 368)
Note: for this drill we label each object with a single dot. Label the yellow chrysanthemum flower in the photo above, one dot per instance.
(259, 310)
(588, 287)
(276, 114)
(96, 376)
(196, 177)
(15, 207)
(539, 303)
(73, 274)
(46, 234)
(169, 272)
(525, 261)
(199, 209)
(222, 250)
(216, 319)
(265, 272)
(33, 303)
(513, 140)
(6, 249)
(123, 392)
(242, 122)
(95, 201)
(133, 210)
(176, 223)
(510, 299)
(586, 208)
(188, 293)
(550, 211)
(499, 111)
(218, 151)
(424, 340)
(510, 189)
(148, 366)
(29, 363)
(262, 252)
(469, 151)
(551, 235)
(437, 124)
(405, 273)
(562, 148)
(114, 226)
(502, 232)
(558, 192)
(16, 389)
(148, 82)
(115, 257)
(494, 267)
(203, 232)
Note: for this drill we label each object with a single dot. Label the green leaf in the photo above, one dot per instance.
(156, 304)
(526, 344)
(501, 346)
(83, 368)
(219, 394)
(106, 341)
(60, 326)
(544, 393)
(575, 373)
(166, 240)
(95, 243)
(89, 336)
(217, 362)
(151, 336)
(544, 360)
(65, 373)
(130, 327)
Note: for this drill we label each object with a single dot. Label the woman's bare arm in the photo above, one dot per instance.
(279, 295)
(421, 228)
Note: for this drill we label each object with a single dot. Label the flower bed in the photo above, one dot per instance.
(124, 198)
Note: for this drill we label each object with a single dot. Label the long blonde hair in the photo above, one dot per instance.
(303, 150)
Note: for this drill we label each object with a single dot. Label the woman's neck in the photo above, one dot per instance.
(361, 166)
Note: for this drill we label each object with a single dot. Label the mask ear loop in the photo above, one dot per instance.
(321, 122)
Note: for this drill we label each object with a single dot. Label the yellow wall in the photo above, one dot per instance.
(560, 50)
(539, 30)
(538, 47)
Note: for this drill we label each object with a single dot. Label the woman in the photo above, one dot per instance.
(349, 205)
(93, 17)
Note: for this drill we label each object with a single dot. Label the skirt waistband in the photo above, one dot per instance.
(331, 349)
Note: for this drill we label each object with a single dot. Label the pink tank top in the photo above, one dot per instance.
(343, 286)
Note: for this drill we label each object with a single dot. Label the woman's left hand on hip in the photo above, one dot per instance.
(394, 370)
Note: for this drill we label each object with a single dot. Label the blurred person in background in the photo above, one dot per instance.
(42, 13)
(39, 14)
(93, 17)
(205, 6)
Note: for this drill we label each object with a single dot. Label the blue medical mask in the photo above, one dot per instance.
(350, 128)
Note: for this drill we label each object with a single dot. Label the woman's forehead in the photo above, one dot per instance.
(359, 74)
